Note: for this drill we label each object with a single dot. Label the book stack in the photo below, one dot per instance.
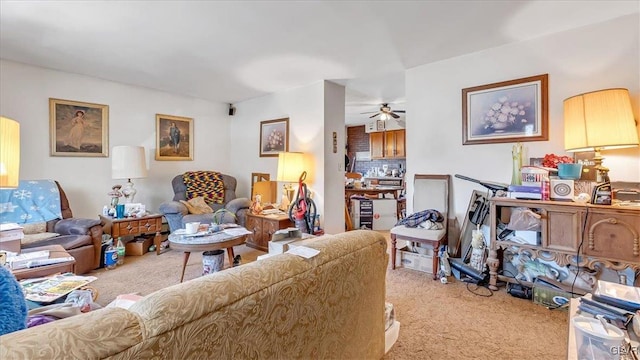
(525, 192)
(10, 236)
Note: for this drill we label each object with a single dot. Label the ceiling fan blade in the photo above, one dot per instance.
(372, 116)
(368, 112)
(394, 115)
(400, 111)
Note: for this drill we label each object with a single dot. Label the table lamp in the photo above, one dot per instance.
(597, 121)
(9, 153)
(290, 166)
(128, 162)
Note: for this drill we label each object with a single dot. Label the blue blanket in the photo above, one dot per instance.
(33, 201)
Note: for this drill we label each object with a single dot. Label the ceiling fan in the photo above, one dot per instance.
(385, 112)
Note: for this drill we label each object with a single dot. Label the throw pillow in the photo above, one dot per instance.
(197, 205)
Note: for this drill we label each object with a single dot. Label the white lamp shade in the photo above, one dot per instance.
(128, 162)
(290, 166)
(599, 120)
(9, 153)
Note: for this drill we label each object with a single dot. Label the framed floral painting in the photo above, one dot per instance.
(508, 111)
(78, 128)
(174, 137)
(274, 137)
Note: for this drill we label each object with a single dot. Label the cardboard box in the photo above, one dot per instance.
(415, 261)
(10, 245)
(139, 246)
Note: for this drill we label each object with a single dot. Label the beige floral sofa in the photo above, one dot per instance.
(283, 307)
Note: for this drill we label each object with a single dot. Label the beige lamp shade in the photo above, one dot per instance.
(9, 153)
(599, 120)
(290, 166)
(128, 162)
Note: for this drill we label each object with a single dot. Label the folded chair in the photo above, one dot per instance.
(429, 192)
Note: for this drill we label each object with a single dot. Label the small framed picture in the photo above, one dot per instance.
(174, 138)
(536, 162)
(78, 128)
(380, 125)
(274, 137)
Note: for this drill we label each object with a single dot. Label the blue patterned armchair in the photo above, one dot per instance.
(177, 213)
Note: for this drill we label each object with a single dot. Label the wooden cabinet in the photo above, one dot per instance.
(376, 145)
(262, 228)
(387, 144)
(601, 235)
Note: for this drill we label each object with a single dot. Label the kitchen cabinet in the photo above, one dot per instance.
(262, 228)
(387, 144)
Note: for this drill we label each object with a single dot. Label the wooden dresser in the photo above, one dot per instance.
(601, 235)
(262, 228)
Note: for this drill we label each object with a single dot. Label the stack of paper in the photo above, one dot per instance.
(21, 261)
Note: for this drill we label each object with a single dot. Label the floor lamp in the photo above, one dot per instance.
(597, 121)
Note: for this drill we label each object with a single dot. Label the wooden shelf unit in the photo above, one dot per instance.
(610, 236)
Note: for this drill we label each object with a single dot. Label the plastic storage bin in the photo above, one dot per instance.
(592, 343)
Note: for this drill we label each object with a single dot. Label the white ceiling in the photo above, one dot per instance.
(229, 51)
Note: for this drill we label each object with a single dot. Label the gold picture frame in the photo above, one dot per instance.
(174, 138)
(506, 112)
(274, 137)
(78, 128)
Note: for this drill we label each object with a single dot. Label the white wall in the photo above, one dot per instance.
(334, 110)
(577, 61)
(24, 94)
(305, 108)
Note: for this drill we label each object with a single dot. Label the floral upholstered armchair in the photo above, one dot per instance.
(198, 195)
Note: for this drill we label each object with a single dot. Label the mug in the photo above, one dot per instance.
(192, 227)
(120, 211)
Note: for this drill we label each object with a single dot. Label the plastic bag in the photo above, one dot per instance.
(524, 219)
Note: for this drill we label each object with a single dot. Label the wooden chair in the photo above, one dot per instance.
(429, 192)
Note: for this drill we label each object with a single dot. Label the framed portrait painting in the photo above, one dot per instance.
(508, 111)
(174, 138)
(274, 137)
(78, 128)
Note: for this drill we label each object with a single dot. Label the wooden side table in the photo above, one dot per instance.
(145, 225)
(263, 227)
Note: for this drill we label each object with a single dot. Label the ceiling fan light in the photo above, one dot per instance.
(384, 117)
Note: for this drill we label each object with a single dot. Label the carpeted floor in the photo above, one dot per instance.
(438, 321)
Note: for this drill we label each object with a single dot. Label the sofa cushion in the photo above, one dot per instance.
(197, 205)
(36, 238)
(67, 241)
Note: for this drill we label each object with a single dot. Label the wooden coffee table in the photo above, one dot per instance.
(216, 241)
(55, 251)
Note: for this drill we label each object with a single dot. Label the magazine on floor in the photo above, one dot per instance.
(52, 288)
